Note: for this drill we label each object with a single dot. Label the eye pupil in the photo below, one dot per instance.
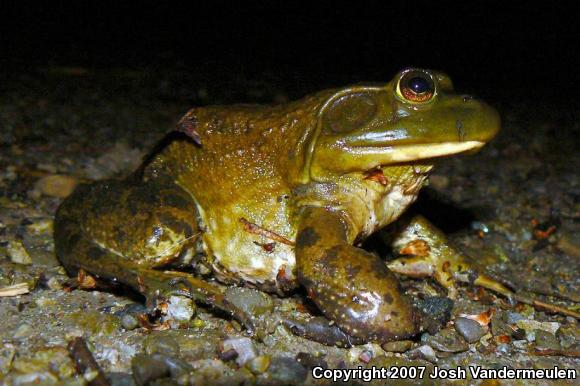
(418, 84)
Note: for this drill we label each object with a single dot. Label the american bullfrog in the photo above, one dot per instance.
(277, 197)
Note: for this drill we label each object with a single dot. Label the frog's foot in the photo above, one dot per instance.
(449, 271)
(446, 272)
(160, 285)
(350, 286)
(321, 330)
(432, 256)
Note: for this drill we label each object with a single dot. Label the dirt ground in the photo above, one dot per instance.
(513, 208)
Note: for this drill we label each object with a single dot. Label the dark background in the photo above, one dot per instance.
(499, 49)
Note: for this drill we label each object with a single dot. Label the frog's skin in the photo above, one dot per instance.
(276, 197)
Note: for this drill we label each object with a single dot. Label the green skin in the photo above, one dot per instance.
(275, 197)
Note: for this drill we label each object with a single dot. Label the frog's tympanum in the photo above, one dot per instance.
(277, 197)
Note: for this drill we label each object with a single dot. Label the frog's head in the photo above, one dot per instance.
(415, 117)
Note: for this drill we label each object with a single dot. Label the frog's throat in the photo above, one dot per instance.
(409, 153)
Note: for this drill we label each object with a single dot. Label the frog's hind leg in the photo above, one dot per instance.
(432, 256)
(126, 233)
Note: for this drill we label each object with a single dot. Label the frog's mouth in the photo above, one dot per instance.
(385, 155)
(349, 157)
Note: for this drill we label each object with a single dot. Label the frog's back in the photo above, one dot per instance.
(243, 150)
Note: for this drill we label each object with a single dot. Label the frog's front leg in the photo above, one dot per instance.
(432, 256)
(128, 232)
(350, 286)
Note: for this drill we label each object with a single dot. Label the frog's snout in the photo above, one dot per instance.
(479, 121)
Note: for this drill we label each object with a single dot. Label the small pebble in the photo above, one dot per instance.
(479, 226)
(530, 326)
(547, 341)
(469, 329)
(180, 310)
(287, 371)
(161, 343)
(56, 185)
(365, 356)
(447, 340)
(53, 283)
(129, 322)
(148, 368)
(569, 335)
(398, 346)
(521, 344)
(18, 253)
(40, 226)
(243, 346)
(423, 352)
(131, 308)
(259, 364)
(503, 348)
(514, 317)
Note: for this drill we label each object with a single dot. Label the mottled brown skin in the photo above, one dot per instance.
(292, 177)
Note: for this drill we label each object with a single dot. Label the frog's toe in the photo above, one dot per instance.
(494, 285)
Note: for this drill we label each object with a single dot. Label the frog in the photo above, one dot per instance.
(280, 197)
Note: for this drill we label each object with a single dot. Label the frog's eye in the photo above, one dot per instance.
(416, 87)
(349, 112)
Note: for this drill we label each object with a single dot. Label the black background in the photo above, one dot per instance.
(499, 49)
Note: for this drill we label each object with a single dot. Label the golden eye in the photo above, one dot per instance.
(416, 87)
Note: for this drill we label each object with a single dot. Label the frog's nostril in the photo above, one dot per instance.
(460, 130)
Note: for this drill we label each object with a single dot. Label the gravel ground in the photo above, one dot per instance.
(513, 208)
